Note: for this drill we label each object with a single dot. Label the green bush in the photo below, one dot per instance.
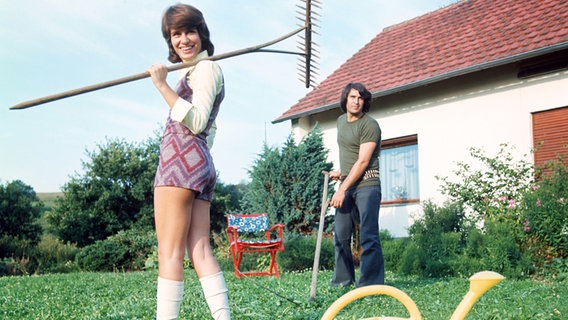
(546, 224)
(54, 256)
(16, 266)
(498, 184)
(113, 193)
(392, 252)
(103, 255)
(437, 241)
(501, 252)
(18, 256)
(299, 254)
(140, 243)
(127, 250)
(524, 211)
(444, 243)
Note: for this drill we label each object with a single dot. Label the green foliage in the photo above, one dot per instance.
(14, 266)
(300, 251)
(18, 259)
(114, 193)
(288, 183)
(101, 256)
(499, 178)
(20, 210)
(127, 250)
(437, 241)
(445, 243)
(54, 256)
(525, 223)
(501, 251)
(392, 250)
(546, 223)
(20, 230)
(225, 200)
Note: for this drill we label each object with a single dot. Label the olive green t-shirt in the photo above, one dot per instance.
(350, 136)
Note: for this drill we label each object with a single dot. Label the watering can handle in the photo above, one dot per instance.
(359, 293)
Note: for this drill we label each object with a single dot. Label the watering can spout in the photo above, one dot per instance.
(480, 283)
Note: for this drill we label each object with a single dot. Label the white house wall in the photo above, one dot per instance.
(482, 110)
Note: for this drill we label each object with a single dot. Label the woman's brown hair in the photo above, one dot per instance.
(185, 17)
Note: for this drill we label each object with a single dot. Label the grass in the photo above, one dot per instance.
(132, 296)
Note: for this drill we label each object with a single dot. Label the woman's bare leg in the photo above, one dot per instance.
(206, 267)
(172, 214)
(198, 245)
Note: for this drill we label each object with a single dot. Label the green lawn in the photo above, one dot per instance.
(132, 296)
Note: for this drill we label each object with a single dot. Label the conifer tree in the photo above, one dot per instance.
(287, 183)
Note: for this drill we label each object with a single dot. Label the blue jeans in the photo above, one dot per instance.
(360, 205)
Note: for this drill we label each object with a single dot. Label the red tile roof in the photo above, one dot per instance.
(443, 43)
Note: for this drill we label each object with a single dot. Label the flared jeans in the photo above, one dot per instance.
(361, 205)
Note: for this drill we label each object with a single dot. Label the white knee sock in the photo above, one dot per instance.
(169, 297)
(215, 292)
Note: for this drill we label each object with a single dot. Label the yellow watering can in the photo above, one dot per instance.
(479, 284)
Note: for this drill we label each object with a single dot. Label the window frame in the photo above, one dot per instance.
(398, 142)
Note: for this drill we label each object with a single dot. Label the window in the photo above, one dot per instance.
(398, 165)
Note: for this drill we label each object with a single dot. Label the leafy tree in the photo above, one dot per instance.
(288, 183)
(114, 193)
(20, 210)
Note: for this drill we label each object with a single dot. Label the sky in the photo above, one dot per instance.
(51, 46)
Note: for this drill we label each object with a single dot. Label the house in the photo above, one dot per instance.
(476, 73)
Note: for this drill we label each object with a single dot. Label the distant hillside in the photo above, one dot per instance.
(48, 198)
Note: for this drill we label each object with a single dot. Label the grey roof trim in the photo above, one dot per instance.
(445, 76)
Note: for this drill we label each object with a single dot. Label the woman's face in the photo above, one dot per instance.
(186, 43)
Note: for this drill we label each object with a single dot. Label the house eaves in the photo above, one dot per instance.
(438, 78)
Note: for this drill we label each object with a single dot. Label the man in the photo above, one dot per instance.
(359, 195)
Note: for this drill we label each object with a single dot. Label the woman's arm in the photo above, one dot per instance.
(206, 81)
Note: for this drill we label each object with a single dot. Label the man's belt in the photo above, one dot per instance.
(368, 174)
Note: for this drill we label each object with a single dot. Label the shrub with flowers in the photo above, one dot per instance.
(495, 189)
(546, 212)
(530, 206)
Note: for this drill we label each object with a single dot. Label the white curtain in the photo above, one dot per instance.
(399, 173)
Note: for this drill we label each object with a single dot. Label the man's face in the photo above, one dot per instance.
(354, 103)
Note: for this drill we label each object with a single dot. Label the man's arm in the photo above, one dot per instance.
(365, 153)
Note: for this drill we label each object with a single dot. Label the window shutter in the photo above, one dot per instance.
(550, 134)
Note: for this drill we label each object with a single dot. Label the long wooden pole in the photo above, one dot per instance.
(111, 83)
(315, 268)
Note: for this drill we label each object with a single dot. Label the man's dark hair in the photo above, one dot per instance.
(365, 94)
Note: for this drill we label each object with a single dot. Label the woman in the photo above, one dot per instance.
(185, 178)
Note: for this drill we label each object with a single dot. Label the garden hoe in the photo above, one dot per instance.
(315, 269)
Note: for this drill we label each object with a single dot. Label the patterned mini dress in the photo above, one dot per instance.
(185, 160)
